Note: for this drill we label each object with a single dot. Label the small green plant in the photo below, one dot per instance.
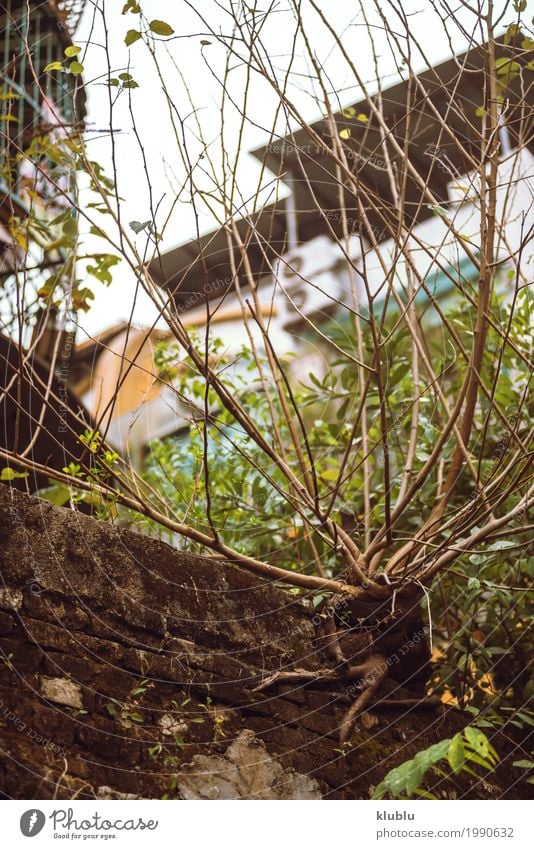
(155, 751)
(74, 67)
(9, 474)
(123, 712)
(6, 659)
(529, 765)
(502, 716)
(103, 505)
(345, 749)
(471, 746)
(142, 687)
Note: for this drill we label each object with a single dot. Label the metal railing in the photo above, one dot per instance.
(37, 30)
(31, 103)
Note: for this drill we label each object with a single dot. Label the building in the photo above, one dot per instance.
(35, 106)
(293, 250)
(33, 103)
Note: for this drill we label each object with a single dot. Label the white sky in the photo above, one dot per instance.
(201, 68)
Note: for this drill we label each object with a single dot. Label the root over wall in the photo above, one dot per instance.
(128, 670)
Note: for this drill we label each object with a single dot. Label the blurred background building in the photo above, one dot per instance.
(38, 406)
(296, 249)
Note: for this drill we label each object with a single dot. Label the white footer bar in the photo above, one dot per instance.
(268, 825)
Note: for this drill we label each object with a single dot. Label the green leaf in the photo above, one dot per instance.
(8, 474)
(125, 76)
(437, 210)
(91, 438)
(73, 469)
(81, 298)
(524, 764)
(406, 778)
(131, 37)
(53, 66)
(136, 717)
(138, 226)
(341, 413)
(455, 754)
(481, 746)
(316, 382)
(102, 268)
(70, 226)
(509, 67)
(477, 739)
(161, 28)
(76, 68)
(330, 474)
(511, 31)
(413, 777)
(58, 494)
(476, 759)
(72, 51)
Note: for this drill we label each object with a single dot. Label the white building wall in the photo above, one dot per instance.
(313, 280)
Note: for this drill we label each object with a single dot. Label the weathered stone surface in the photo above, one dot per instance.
(129, 662)
(245, 771)
(109, 793)
(62, 692)
(170, 726)
(10, 599)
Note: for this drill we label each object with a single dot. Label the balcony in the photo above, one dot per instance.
(32, 103)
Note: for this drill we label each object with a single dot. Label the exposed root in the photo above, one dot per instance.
(425, 703)
(297, 676)
(376, 671)
(363, 645)
(317, 676)
(331, 636)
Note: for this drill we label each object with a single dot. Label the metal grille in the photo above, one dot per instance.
(25, 102)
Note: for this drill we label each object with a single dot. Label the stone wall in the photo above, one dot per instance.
(128, 670)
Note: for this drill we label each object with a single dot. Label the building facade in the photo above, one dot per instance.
(33, 103)
(39, 111)
(297, 249)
